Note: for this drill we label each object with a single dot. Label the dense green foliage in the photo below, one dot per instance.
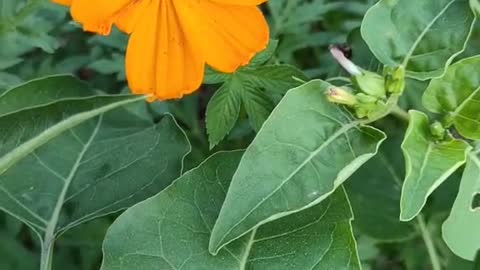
(289, 163)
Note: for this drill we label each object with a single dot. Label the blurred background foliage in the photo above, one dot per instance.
(38, 38)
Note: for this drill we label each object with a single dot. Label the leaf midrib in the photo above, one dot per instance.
(424, 32)
(338, 133)
(45, 136)
(470, 97)
(52, 224)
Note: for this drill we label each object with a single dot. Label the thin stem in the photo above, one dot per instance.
(427, 238)
(400, 114)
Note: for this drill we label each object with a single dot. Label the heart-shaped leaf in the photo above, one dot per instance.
(428, 164)
(304, 151)
(172, 229)
(424, 36)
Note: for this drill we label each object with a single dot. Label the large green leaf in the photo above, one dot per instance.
(457, 94)
(68, 161)
(172, 229)
(428, 164)
(42, 91)
(304, 151)
(424, 36)
(375, 194)
(461, 229)
(24, 130)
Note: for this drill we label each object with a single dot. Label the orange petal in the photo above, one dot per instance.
(63, 2)
(97, 16)
(227, 35)
(129, 16)
(160, 60)
(241, 2)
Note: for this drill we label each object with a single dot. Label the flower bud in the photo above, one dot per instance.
(371, 83)
(341, 96)
(366, 99)
(437, 130)
(348, 65)
(395, 79)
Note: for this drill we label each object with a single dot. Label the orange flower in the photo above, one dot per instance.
(172, 40)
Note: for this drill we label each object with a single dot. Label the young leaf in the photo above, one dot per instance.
(304, 151)
(223, 110)
(374, 192)
(213, 77)
(265, 55)
(275, 78)
(457, 94)
(461, 229)
(247, 86)
(171, 230)
(424, 36)
(257, 105)
(428, 164)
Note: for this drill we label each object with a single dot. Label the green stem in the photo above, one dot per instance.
(400, 114)
(427, 238)
(47, 253)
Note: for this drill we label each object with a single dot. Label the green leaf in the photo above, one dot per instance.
(37, 125)
(223, 110)
(374, 192)
(461, 229)
(249, 87)
(171, 230)
(213, 77)
(305, 150)
(14, 255)
(68, 161)
(42, 91)
(99, 167)
(428, 164)
(258, 106)
(457, 94)
(424, 36)
(275, 78)
(265, 55)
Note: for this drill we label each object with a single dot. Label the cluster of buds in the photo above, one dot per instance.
(370, 91)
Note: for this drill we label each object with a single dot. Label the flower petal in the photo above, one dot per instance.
(128, 17)
(97, 16)
(241, 2)
(227, 35)
(160, 60)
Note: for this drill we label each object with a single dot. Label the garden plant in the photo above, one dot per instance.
(239, 134)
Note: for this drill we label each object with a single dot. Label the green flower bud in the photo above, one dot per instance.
(341, 96)
(437, 130)
(366, 99)
(395, 79)
(371, 83)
